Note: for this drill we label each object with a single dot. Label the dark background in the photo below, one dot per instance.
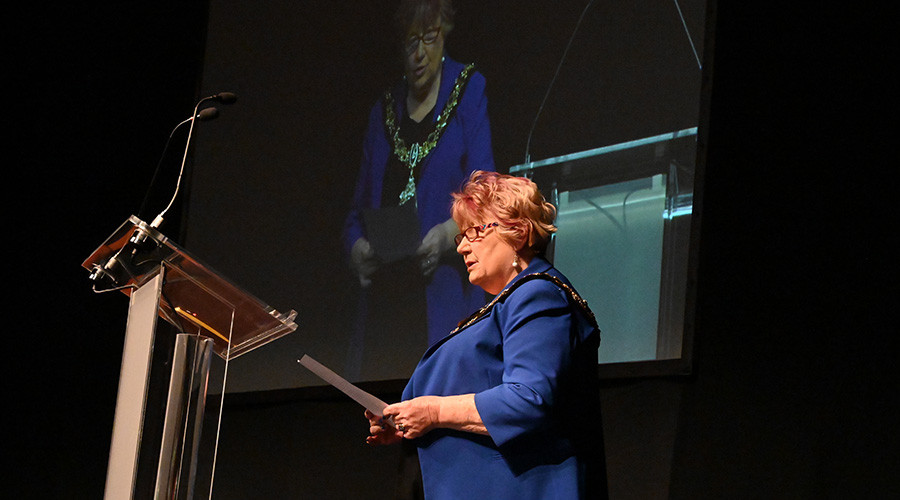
(794, 389)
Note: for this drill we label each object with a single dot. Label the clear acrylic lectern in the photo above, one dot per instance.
(215, 316)
(624, 219)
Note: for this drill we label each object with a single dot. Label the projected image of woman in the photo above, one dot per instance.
(424, 137)
(507, 406)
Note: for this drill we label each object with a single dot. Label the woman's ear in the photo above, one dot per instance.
(523, 239)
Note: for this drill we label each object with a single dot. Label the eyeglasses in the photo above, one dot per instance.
(428, 38)
(474, 232)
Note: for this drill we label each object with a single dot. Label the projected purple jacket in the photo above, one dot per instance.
(532, 365)
(464, 147)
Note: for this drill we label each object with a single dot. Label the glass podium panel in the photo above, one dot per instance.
(624, 216)
(194, 297)
(610, 243)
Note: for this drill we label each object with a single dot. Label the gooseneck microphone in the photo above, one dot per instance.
(222, 97)
(118, 268)
(207, 114)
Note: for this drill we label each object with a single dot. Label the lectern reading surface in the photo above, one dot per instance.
(194, 297)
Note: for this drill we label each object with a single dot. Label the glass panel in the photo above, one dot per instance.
(195, 298)
(624, 239)
(610, 245)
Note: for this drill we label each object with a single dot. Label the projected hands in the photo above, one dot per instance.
(436, 243)
(364, 261)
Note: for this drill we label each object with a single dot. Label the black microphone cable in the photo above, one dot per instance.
(222, 97)
(204, 115)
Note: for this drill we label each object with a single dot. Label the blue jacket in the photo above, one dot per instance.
(532, 363)
(464, 147)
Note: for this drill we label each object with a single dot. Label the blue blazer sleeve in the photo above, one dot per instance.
(538, 342)
(367, 191)
(473, 115)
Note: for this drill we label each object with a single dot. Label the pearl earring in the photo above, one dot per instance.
(515, 263)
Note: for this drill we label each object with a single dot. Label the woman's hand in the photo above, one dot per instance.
(415, 417)
(364, 261)
(381, 432)
(437, 242)
(418, 416)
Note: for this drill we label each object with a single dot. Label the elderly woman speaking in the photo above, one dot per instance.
(506, 405)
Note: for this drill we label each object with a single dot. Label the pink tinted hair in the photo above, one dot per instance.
(514, 202)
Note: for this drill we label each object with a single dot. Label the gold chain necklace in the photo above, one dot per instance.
(579, 302)
(412, 155)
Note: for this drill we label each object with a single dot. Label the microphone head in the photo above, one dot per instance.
(226, 97)
(208, 114)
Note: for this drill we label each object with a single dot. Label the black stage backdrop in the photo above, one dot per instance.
(794, 388)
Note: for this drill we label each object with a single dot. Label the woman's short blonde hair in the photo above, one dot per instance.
(515, 203)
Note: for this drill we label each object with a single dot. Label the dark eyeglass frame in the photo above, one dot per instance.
(477, 230)
(427, 38)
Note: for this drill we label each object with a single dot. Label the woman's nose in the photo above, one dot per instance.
(420, 50)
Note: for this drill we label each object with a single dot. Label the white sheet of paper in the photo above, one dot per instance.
(369, 402)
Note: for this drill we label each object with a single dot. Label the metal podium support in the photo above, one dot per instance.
(216, 316)
(133, 381)
(184, 417)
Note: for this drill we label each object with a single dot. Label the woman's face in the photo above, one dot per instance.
(422, 61)
(488, 260)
